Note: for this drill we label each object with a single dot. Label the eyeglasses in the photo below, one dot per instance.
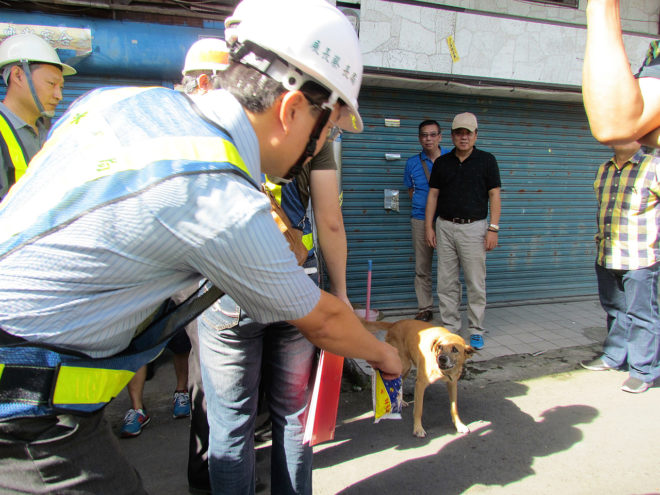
(425, 135)
(335, 131)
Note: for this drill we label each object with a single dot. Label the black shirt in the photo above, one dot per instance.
(464, 186)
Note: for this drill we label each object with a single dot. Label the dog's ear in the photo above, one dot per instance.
(436, 347)
(469, 350)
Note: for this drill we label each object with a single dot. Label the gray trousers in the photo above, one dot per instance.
(423, 264)
(64, 455)
(461, 246)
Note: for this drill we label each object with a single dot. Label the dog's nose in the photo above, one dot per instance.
(444, 362)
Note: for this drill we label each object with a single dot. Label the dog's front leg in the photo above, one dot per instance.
(452, 388)
(420, 387)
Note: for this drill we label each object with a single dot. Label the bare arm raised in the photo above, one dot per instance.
(620, 107)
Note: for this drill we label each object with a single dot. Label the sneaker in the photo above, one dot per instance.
(477, 341)
(134, 421)
(635, 385)
(181, 405)
(424, 315)
(596, 365)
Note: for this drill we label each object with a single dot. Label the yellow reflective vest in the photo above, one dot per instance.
(14, 156)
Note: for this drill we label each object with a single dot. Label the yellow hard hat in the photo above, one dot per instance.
(207, 54)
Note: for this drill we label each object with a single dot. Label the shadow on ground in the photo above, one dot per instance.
(500, 449)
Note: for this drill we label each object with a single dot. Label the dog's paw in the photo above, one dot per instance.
(419, 432)
(461, 428)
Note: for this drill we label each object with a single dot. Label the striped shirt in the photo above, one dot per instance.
(88, 284)
(628, 213)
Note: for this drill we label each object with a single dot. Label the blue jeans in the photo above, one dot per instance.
(235, 355)
(631, 300)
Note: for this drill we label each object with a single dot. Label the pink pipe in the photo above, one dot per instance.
(367, 312)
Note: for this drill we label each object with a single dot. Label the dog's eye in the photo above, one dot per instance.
(453, 349)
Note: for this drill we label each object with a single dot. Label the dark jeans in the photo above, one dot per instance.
(238, 355)
(631, 300)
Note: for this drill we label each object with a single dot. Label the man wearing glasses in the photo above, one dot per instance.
(416, 178)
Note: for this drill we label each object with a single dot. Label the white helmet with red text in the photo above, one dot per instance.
(314, 40)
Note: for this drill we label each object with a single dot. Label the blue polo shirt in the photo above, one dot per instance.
(415, 178)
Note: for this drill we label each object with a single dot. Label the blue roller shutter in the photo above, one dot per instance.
(547, 159)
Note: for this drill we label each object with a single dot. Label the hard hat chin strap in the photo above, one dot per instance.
(309, 150)
(42, 111)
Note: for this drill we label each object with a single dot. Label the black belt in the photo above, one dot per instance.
(460, 220)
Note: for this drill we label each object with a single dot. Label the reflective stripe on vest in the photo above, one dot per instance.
(16, 153)
(79, 385)
(84, 165)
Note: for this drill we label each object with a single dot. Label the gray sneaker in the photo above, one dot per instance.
(635, 385)
(596, 365)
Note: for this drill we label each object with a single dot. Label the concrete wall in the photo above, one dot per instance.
(503, 39)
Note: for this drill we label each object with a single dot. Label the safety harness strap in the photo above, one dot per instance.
(39, 380)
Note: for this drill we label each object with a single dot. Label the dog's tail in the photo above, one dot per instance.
(376, 326)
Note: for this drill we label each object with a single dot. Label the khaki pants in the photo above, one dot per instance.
(423, 264)
(461, 246)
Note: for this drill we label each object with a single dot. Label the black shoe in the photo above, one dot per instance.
(596, 365)
(424, 315)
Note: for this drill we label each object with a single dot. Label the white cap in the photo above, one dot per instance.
(465, 120)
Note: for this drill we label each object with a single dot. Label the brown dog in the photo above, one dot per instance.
(437, 354)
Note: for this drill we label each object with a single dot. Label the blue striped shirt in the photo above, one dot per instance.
(87, 285)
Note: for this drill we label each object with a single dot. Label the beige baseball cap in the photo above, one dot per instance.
(465, 120)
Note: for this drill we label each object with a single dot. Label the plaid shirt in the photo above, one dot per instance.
(651, 65)
(628, 213)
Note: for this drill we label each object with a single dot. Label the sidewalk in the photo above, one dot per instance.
(533, 328)
(540, 423)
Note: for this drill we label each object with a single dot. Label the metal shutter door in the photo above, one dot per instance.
(547, 159)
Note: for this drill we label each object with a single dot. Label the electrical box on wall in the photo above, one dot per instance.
(391, 199)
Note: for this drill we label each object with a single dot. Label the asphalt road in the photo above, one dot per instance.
(539, 424)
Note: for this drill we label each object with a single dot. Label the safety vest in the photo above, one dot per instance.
(288, 198)
(13, 153)
(88, 169)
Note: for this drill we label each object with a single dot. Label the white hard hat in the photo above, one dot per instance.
(31, 48)
(311, 36)
(207, 54)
